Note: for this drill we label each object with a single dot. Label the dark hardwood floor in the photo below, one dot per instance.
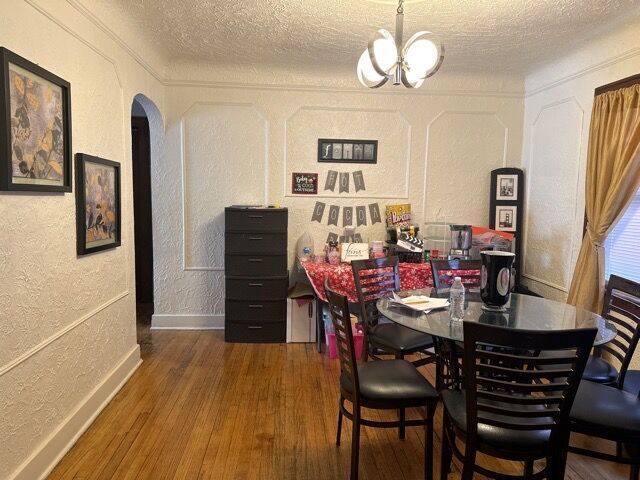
(198, 408)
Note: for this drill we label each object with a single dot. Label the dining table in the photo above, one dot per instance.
(522, 312)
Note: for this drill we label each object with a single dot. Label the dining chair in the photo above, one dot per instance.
(508, 408)
(621, 307)
(375, 279)
(382, 385)
(444, 271)
(609, 412)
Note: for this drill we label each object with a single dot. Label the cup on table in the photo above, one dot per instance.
(495, 283)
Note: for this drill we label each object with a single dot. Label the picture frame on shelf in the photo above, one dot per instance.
(507, 187)
(98, 204)
(347, 151)
(507, 209)
(35, 127)
(506, 218)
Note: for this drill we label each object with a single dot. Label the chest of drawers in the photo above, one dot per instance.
(256, 277)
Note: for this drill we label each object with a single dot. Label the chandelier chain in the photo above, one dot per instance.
(400, 7)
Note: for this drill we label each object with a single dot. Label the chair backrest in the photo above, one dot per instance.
(505, 389)
(622, 307)
(339, 308)
(374, 279)
(444, 271)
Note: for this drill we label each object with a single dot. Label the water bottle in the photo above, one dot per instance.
(456, 300)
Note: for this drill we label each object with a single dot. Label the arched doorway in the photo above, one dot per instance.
(146, 134)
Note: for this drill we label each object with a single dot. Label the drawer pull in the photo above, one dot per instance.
(256, 216)
(256, 238)
(255, 260)
(256, 306)
(255, 285)
(254, 327)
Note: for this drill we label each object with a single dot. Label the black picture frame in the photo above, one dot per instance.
(81, 160)
(332, 150)
(516, 204)
(7, 177)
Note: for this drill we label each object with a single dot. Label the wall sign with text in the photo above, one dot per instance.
(347, 151)
(304, 183)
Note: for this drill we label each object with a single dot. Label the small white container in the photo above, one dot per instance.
(301, 321)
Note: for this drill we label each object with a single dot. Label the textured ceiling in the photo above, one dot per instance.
(505, 35)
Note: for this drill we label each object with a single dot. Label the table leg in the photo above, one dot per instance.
(319, 324)
(448, 375)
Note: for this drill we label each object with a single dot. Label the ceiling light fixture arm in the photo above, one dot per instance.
(397, 77)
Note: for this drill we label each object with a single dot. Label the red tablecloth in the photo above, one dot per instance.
(412, 276)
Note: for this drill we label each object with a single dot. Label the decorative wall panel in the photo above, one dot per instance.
(458, 166)
(386, 179)
(224, 163)
(552, 185)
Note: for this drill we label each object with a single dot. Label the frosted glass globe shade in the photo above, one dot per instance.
(367, 74)
(422, 55)
(383, 52)
(411, 80)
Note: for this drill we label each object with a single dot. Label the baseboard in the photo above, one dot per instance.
(187, 322)
(51, 451)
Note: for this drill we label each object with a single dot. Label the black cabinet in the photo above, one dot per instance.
(256, 277)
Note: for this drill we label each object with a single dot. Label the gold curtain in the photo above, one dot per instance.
(613, 177)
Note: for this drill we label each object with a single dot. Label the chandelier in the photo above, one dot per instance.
(387, 59)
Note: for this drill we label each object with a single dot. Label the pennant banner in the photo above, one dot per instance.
(357, 238)
(334, 213)
(332, 177)
(361, 215)
(374, 210)
(344, 182)
(347, 216)
(318, 212)
(358, 180)
(332, 237)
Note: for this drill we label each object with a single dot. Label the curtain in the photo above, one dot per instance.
(612, 179)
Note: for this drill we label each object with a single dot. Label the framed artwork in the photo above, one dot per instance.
(97, 204)
(347, 151)
(506, 218)
(304, 183)
(507, 187)
(35, 127)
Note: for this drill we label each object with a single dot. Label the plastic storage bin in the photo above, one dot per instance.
(332, 348)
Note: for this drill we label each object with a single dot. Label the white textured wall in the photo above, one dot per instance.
(226, 144)
(558, 104)
(65, 322)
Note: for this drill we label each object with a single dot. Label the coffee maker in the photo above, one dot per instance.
(461, 240)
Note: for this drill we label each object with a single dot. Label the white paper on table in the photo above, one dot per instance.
(421, 303)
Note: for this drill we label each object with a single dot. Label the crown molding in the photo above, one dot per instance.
(112, 35)
(632, 53)
(337, 89)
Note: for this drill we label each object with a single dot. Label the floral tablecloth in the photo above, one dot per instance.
(412, 276)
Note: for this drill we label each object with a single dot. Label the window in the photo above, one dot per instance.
(623, 244)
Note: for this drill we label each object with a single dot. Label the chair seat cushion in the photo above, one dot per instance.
(390, 380)
(498, 438)
(394, 337)
(606, 411)
(597, 370)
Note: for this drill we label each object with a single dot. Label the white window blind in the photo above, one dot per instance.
(622, 247)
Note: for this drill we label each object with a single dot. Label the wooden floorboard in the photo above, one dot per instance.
(200, 409)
